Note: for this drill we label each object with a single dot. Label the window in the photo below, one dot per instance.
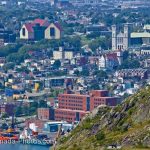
(52, 31)
(23, 32)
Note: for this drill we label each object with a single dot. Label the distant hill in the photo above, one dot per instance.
(127, 125)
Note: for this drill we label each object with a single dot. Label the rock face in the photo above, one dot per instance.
(127, 125)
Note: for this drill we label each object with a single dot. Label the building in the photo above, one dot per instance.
(7, 108)
(110, 60)
(147, 63)
(139, 38)
(147, 27)
(53, 31)
(145, 50)
(134, 4)
(40, 29)
(62, 81)
(120, 40)
(85, 2)
(98, 29)
(96, 101)
(45, 113)
(53, 127)
(6, 36)
(52, 2)
(69, 115)
(74, 102)
(73, 107)
(62, 54)
(30, 30)
(132, 73)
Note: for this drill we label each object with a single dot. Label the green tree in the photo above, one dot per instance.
(57, 64)
(18, 111)
(94, 86)
(84, 73)
(100, 136)
(9, 66)
(77, 72)
(104, 43)
(42, 104)
(100, 74)
(5, 115)
(129, 64)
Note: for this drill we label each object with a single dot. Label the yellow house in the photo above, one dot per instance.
(53, 31)
(40, 29)
(26, 32)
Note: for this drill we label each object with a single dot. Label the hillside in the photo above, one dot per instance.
(127, 125)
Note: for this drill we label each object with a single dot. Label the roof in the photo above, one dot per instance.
(111, 56)
(120, 34)
(42, 22)
(73, 95)
(29, 27)
(140, 35)
(147, 27)
(58, 26)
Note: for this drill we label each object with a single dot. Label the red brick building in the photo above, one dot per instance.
(73, 107)
(99, 93)
(109, 101)
(73, 101)
(45, 113)
(69, 115)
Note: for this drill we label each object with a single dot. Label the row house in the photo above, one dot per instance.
(132, 73)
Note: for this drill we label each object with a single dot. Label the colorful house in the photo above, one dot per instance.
(40, 29)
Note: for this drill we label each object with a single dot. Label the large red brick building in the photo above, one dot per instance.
(73, 107)
(73, 101)
(69, 115)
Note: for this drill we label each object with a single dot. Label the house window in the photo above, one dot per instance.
(52, 31)
(23, 32)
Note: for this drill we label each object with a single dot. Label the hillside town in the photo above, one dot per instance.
(60, 60)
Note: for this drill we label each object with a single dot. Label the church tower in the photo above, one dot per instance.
(126, 40)
(114, 37)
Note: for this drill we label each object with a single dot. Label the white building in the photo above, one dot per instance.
(110, 60)
(120, 40)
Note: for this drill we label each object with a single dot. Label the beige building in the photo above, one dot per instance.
(53, 31)
(61, 54)
(26, 32)
(40, 29)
